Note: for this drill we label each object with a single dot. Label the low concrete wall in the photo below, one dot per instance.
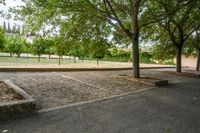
(71, 69)
(19, 108)
(189, 61)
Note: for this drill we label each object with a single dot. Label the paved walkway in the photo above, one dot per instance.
(174, 109)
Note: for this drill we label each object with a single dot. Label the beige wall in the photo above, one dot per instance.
(189, 61)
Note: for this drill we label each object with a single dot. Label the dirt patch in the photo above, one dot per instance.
(183, 74)
(8, 94)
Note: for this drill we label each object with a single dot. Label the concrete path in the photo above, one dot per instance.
(173, 109)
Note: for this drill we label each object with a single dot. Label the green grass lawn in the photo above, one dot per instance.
(67, 63)
(15, 60)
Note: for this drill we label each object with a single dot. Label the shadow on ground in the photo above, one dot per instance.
(173, 109)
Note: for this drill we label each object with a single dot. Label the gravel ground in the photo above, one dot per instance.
(55, 89)
(8, 94)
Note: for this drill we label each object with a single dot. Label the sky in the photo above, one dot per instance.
(10, 3)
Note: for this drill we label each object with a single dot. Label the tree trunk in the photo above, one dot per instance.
(74, 59)
(59, 60)
(49, 56)
(178, 59)
(11, 54)
(136, 68)
(39, 58)
(135, 38)
(97, 61)
(26, 55)
(198, 60)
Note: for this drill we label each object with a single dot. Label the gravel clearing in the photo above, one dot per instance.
(52, 89)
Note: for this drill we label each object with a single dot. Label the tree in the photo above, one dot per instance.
(98, 49)
(192, 47)
(18, 47)
(110, 12)
(9, 29)
(14, 31)
(2, 38)
(4, 26)
(18, 30)
(49, 43)
(124, 18)
(38, 47)
(23, 30)
(14, 45)
(61, 46)
(83, 50)
(75, 50)
(181, 20)
(10, 45)
(162, 49)
(26, 47)
(121, 16)
(197, 47)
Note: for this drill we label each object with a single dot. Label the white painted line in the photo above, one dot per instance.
(64, 76)
(93, 101)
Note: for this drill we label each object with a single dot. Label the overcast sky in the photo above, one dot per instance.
(10, 3)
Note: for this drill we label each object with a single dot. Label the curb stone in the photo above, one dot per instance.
(13, 109)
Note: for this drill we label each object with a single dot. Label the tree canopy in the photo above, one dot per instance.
(97, 23)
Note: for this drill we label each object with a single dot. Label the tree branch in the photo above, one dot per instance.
(94, 7)
(157, 18)
(191, 33)
(128, 33)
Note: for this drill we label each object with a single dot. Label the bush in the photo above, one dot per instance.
(118, 55)
(146, 57)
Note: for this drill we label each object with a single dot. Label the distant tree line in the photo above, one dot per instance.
(16, 43)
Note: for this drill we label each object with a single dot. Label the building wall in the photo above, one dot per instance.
(189, 61)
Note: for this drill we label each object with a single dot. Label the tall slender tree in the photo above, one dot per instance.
(18, 30)
(9, 28)
(14, 31)
(4, 26)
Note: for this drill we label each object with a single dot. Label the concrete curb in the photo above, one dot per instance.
(15, 109)
(71, 69)
(161, 83)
